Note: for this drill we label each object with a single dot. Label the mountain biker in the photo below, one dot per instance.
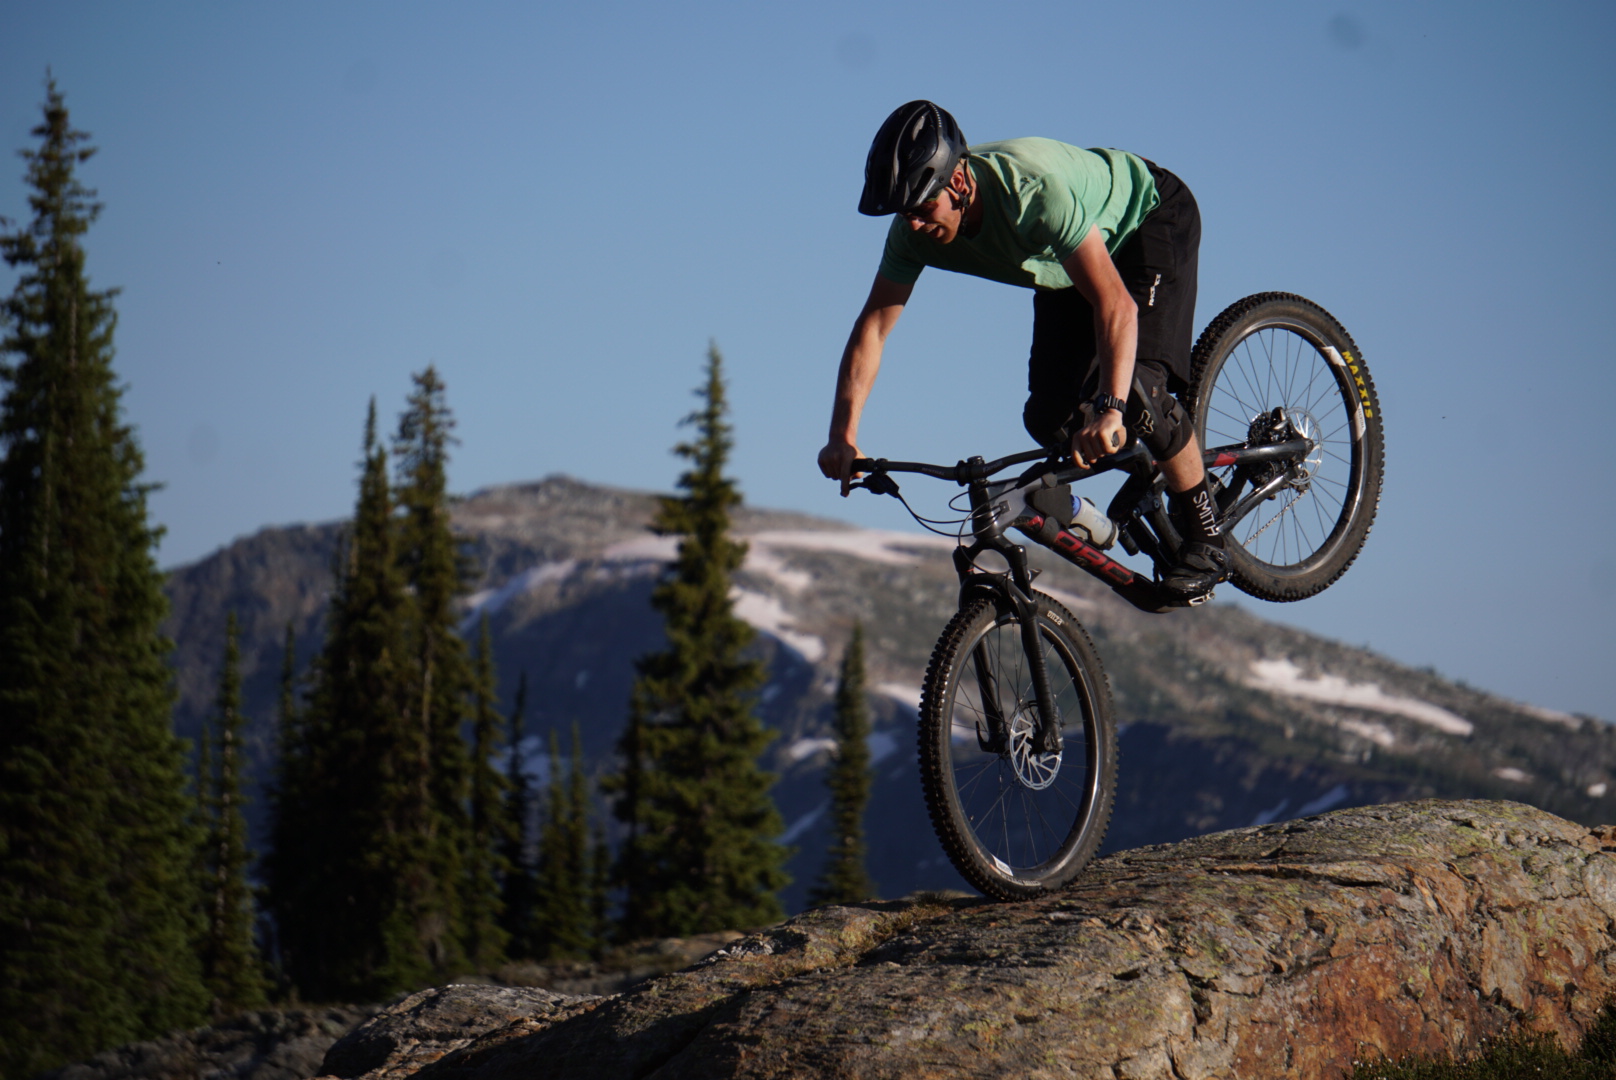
(1107, 241)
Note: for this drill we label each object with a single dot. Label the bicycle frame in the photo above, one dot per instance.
(1139, 508)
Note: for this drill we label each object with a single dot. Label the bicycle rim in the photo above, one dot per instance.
(1014, 822)
(1282, 364)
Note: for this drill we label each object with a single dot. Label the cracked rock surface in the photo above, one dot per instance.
(1280, 951)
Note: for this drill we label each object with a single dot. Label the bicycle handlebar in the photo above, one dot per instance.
(963, 472)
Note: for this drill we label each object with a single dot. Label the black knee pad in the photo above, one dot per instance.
(1154, 415)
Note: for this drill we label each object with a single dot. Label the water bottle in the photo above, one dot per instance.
(1089, 523)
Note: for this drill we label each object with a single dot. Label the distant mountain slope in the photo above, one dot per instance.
(1228, 720)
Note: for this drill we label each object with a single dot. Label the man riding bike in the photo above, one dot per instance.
(1107, 241)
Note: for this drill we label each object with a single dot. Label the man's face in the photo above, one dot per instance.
(937, 218)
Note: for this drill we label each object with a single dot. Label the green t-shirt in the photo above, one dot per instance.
(1039, 199)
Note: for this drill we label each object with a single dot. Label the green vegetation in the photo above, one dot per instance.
(1524, 1056)
(232, 968)
(435, 572)
(518, 888)
(491, 826)
(563, 917)
(98, 893)
(699, 854)
(846, 878)
(385, 863)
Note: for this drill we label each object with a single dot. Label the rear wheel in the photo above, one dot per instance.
(1273, 368)
(1014, 822)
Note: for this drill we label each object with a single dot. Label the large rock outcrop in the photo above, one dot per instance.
(1281, 951)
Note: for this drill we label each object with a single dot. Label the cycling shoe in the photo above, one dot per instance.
(1200, 567)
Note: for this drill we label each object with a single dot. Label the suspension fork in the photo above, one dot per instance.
(1012, 591)
(1047, 740)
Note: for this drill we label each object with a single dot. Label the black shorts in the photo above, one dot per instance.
(1158, 265)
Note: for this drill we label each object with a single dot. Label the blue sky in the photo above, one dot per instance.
(559, 205)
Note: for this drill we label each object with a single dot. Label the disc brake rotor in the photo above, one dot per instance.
(1034, 770)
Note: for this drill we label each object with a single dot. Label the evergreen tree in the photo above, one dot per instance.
(846, 878)
(351, 872)
(231, 965)
(287, 784)
(97, 889)
(518, 892)
(436, 573)
(486, 937)
(600, 881)
(699, 855)
(563, 917)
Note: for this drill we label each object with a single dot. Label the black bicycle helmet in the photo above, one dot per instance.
(912, 157)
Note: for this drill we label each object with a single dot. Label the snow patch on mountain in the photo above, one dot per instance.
(767, 614)
(807, 748)
(1328, 801)
(882, 744)
(872, 545)
(1071, 601)
(1284, 677)
(1552, 716)
(765, 562)
(658, 549)
(802, 824)
(904, 694)
(489, 601)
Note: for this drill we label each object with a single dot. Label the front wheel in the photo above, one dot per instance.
(1276, 368)
(1014, 822)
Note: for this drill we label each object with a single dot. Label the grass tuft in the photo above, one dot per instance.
(1524, 1056)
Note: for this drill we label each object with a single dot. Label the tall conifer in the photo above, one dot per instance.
(436, 572)
(232, 967)
(846, 877)
(97, 887)
(700, 853)
(349, 871)
(518, 891)
(486, 937)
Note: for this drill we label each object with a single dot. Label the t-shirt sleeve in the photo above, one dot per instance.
(899, 263)
(1056, 217)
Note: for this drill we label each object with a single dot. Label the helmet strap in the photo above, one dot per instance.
(962, 200)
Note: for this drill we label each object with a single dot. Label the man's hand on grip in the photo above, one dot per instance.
(836, 462)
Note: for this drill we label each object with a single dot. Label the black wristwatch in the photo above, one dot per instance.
(1102, 402)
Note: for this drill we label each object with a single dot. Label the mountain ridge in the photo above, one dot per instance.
(1226, 719)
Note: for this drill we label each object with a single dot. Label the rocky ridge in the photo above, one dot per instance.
(1280, 951)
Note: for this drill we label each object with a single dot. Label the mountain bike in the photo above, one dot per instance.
(1018, 747)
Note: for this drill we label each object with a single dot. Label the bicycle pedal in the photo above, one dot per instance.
(1197, 601)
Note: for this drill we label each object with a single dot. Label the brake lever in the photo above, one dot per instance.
(879, 483)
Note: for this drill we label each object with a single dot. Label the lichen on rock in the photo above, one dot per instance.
(1287, 950)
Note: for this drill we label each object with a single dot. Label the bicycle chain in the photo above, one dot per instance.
(1252, 538)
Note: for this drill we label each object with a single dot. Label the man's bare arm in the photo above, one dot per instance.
(1116, 331)
(861, 360)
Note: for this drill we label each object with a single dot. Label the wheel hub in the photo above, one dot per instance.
(1034, 770)
(1301, 425)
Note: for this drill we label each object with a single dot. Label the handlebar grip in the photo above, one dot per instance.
(865, 464)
